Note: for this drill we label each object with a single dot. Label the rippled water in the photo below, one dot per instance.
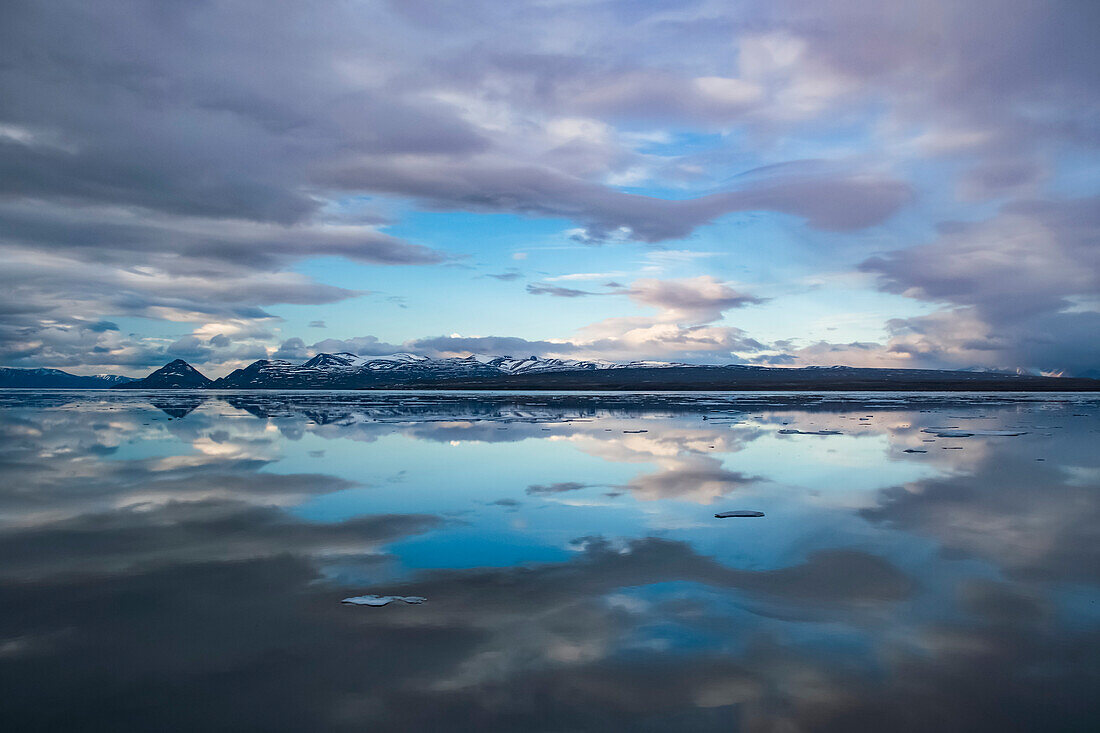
(177, 561)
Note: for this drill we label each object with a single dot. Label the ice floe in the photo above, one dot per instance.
(381, 600)
(957, 433)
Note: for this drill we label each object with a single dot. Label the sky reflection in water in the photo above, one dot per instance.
(178, 561)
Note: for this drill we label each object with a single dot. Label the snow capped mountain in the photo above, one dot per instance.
(534, 364)
(480, 371)
(345, 360)
(474, 364)
(330, 361)
(12, 377)
(403, 367)
(399, 358)
(484, 371)
(350, 371)
(111, 379)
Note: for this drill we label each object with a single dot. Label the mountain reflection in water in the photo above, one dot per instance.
(177, 561)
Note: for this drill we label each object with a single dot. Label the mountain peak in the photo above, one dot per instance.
(323, 360)
(177, 374)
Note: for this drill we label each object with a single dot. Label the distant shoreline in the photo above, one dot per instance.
(618, 390)
(403, 372)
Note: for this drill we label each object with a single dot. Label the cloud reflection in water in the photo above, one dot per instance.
(187, 573)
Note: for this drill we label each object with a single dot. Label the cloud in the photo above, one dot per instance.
(508, 275)
(837, 201)
(1012, 284)
(464, 345)
(364, 346)
(199, 552)
(583, 276)
(147, 151)
(1016, 290)
(701, 299)
(557, 488)
(438, 346)
(700, 479)
(1031, 258)
(293, 349)
(176, 532)
(64, 264)
(679, 331)
(556, 290)
(1036, 521)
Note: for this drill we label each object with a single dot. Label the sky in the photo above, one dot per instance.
(779, 182)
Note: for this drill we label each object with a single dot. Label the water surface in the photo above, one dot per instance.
(177, 561)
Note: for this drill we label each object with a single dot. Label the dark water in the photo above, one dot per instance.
(178, 561)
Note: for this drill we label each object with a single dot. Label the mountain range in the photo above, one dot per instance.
(11, 377)
(411, 371)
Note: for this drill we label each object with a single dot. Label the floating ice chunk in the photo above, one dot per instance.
(913, 450)
(955, 433)
(381, 600)
(738, 513)
(788, 431)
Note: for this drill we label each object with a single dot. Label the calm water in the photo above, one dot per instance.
(178, 561)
